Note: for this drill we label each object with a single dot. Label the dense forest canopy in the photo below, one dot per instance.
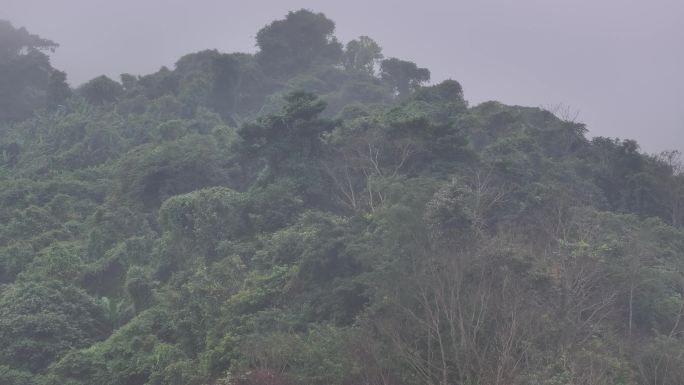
(316, 213)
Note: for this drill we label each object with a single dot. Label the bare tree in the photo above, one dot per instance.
(362, 162)
(470, 321)
(487, 194)
(562, 111)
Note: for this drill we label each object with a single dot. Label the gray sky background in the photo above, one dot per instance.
(617, 63)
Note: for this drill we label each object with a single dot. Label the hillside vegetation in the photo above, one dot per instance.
(318, 214)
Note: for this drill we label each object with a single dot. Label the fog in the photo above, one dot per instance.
(614, 63)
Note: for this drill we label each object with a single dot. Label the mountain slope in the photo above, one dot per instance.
(317, 214)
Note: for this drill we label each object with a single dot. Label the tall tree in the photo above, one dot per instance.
(362, 54)
(293, 44)
(25, 72)
(58, 91)
(101, 90)
(403, 76)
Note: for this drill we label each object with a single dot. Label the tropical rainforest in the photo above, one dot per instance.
(317, 213)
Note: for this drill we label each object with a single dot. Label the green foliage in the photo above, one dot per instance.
(295, 43)
(135, 354)
(139, 287)
(288, 144)
(100, 90)
(150, 173)
(317, 215)
(41, 322)
(58, 91)
(201, 220)
(13, 259)
(205, 215)
(319, 356)
(59, 261)
(12, 376)
(27, 80)
(403, 76)
(362, 54)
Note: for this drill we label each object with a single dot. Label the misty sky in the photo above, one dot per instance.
(617, 63)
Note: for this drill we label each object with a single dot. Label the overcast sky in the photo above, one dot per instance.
(617, 63)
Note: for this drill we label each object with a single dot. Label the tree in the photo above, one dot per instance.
(295, 43)
(468, 317)
(15, 42)
(226, 83)
(617, 171)
(58, 91)
(199, 221)
(403, 76)
(151, 173)
(209, 78)
(25, 72)
(382, 233)
(673, 185)
(41, 322)
(288, 144)
(362, 54)
(101, 90)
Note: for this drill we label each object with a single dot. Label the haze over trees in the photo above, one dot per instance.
(27, 79)
(317, 213)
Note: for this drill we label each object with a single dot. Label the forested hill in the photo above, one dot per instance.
(317, 214)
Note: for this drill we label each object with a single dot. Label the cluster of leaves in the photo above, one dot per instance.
(314, 214)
